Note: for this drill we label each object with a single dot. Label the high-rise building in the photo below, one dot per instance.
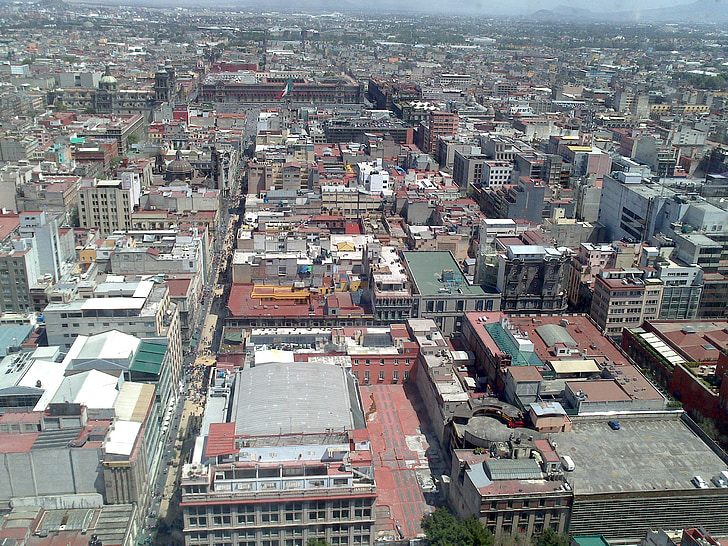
(107, 204)
(625, 298)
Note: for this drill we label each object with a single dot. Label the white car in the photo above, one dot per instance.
(699, 482)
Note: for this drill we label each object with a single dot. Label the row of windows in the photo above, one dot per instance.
(381, 376)
(368, 361)
(334, 541)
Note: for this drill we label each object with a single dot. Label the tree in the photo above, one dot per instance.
(551, 538)
(316, 542)
(442, 528)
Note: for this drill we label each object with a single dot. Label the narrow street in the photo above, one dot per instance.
(197, 365)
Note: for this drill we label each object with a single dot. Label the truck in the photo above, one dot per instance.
(567, 463)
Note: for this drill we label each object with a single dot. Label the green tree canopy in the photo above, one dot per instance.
(551, 538)
(442, 528)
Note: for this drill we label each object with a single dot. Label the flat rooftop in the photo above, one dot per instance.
(426, 268)
(643, 455)
(301, 397)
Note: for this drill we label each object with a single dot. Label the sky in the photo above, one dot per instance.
(531, 6)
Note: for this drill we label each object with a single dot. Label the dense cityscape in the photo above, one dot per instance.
(354, 278)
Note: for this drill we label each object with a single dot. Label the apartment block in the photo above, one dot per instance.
(108, 204)
(625, 298)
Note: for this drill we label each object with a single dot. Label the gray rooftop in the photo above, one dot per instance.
(54, 439)
(302, 397)
(644, 455)
(426, 267)
(553, 334)
(13, 335)
(513, 469)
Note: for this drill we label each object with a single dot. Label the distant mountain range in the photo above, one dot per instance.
(700, 11)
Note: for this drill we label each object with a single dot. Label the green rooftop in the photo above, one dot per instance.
(505, 344)
(435, 273)
(589, 540)
(149, 356)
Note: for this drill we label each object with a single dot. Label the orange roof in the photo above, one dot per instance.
(220, 439)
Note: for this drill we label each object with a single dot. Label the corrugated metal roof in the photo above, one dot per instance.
(505, 344)
(553, 334)
(133, 401)
(512, 469)
(149, 357)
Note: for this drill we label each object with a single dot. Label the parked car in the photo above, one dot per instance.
(614, 425)
(699, 482)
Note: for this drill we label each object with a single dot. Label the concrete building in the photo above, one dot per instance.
(585, 265)
(19, 272)
(624, 298)
(682, 287)
(633, 209)
(37, 460)
(467, 169)
(143, 309)
(54, 247)
(511, 494)
(107, 204)
(441, 388)
(389, 292)
(532, 278)
(496, 173)
(614, 498)
(441, 292)
(291, 463)
(660, 156)
(524, 201)
(112, 525)
(439, 124)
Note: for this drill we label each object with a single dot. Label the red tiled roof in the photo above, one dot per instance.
(8, 224)
(220, 440)
(352, 228)
(178, 287)
(17, 443)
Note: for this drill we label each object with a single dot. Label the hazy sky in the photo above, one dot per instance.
(530, 6)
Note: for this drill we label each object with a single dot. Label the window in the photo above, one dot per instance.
(381, 375)
(406, 375)
(395, 376)
(317, 511)
(366, 376)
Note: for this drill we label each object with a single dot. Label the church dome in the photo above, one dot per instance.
(179, 168)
